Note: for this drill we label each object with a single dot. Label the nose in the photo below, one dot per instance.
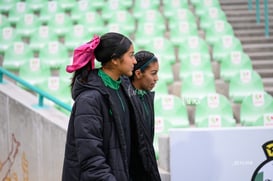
(134, 60)
(156, 77)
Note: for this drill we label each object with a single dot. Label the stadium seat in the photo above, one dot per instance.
(92, 22)
(36, 5)
(48, 12)
(146, 31)
(181, 15)
(61, 24)
(34, 72)
(120, 18)
(27, 25)
(224, 47)
(17, 11)
(76, 37)
(195, 61)
(110, 7)
(170, 112)
(16, 55)
(220, 28)
(257, 110)
(7, 37)
(196, 86)
(41, 37)
(7, 5)
(193, 44)
(53, 55)
(169, 7)
(233, 63)
(214, 110)
(67, 5)
(161, 88)
(244, 83)
(4, 21)
(80, 9)
(142, 6)
(212, 14)
(181, 31)
(201, 6)
(97, 5)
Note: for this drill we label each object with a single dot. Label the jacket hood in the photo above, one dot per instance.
(94, 82)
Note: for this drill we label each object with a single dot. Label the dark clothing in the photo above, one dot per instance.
(97, 147)
(145, 132)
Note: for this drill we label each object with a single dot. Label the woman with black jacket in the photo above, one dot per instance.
(143, 81)
(105, 139)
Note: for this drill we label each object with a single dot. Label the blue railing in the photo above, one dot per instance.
(258, 14)
(41, 94)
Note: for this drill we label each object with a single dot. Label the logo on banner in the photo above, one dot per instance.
(264, 172)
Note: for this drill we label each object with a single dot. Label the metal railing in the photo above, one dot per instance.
(258, 14)
(41, 94)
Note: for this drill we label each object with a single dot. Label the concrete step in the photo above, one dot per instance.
(260, 55)
(247, 19)
(265, 73)
(268, 82)
(263, 47)
(244, 12)
(252, 32)
(262, 64)
(243, 25)
(255, 39)
(269, 90)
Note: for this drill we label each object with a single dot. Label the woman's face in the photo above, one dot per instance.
(149, 77)
(127, 61)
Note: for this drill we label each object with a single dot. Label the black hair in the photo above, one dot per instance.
(143, 58)
(112, 45)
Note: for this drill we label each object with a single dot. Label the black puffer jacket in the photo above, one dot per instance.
(145, 136)
(96, 145)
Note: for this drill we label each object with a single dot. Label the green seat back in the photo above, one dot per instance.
(256, 109)
(243, 84)
(214, 110)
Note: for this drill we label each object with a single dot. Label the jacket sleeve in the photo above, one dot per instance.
(88, 127)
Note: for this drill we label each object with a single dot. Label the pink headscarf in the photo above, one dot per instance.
(83, 54)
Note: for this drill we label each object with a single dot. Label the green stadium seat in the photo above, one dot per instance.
(7, 37)
(48, 12)
(256, 110)
(61, 24)
(223, 48)
(243, 84)
(212, 14)
(27, 25)
(36, 5)
(169, 7)
(76, 37)
(80, 9)
(215, 110)
(161, 87)
(7, 5)
(64, 76)
(181, 15)
(180, 32)
(201, 6)
(34, 72)
(92, 22)
(142, 6)
(196, 86)
(233, 63)
(120, 18)
(97, 5)
(110, 8)
(16, 55)
(42, 36)
(146, 31)
(53, 55)
(220, 28)
(170, 112)
(18, 10)
(4, 21)
(67, 5)
(195, 62)
(192, 44)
